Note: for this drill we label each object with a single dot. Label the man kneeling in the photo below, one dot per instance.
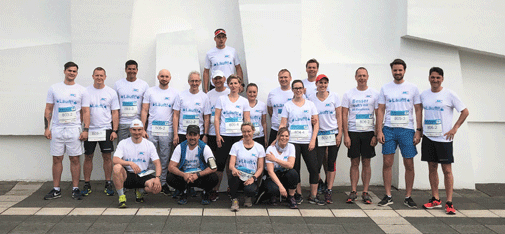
(192, 165)
(131, 160)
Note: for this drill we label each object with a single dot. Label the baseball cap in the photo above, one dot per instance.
(219, 31)
(322, 76)
(136, 123)
(217, 73)
(193, 129)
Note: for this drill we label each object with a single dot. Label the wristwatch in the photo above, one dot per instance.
(198, 174)
(419, 129)
(255, 179)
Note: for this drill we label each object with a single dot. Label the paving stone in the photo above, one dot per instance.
(149, 219)
(390, 221)
(424, 220)
(434, 228)
(6, 204)
(186, 212)
(493, 190)
(497, 228)
(500, 213)
(461, 220)
(114, 219)
(441, 213)
(381, 213)
(54, 211)
(32, 228)
(5, 226)
(145, 227)
(290, 228)
(398, 228)
(255, 228)
(44, 219)
(21, 211)
(218, 228)
(321, 220)
(462, 228)
(221, 212)
(153, 211)
(217, 219)
(491, 221)
(414, 213)
(252, 219)
(287, 220)
(70, 227)
(349, 213)
(326, 228)
(87, 211)
(283, 212)
(253, 212)
(362, 228)
(80, 218)
(107, 227)
(117, 211)
(316, 213)
(478, 213)
(13, 218)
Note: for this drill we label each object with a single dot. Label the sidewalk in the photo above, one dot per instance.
(23, 210)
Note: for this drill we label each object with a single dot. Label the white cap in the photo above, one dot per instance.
(217, 73)
(136, 123)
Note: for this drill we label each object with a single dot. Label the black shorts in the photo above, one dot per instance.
(434, 151)
(134, 181)
(260, 140)
(360, 145)
(273, 136)
(105, 146)
(211, 142)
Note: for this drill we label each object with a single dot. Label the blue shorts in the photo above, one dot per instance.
(399, 136)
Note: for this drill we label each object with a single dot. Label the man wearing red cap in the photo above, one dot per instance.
(223, 58)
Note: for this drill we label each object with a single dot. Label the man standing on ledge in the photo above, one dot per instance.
(223, 58)
(397, 100)
(438, 104)
(66, 103)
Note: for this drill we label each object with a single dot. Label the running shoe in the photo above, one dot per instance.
(298, 198)
(321, 187)
(214, 195)
(410, 203)
(433, 203)
(449, 209)
(292, 202)
(139, 197)
(248, 202)
(176, 194)
(274, 201)
(205, 198)
(327, 197)
(352, 197)
(166, 190)
(386, 201)
(183, 200)
(109, 191)
(53, 194)
(192, 192)
(366, 198)
(86, 190)
(316, 201)
(76, 194)
(122, 201)
(234, 204)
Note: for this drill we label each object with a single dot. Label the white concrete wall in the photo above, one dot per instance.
(459, 36)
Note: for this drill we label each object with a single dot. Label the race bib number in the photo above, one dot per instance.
(245, 173)
(96, 135)
(399, 119)
(364, 122)
(160, 128)
(326, 138)
(192, 170)
(256, 129)
(67, 114)
(190, 120)
(129, 109)
(212, 117)
(432, 127)
(232, 125)
(299, 132)
(146, 172)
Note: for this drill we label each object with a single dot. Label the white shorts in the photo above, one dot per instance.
(66, 139)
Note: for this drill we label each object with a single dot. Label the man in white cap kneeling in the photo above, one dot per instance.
(131, 161)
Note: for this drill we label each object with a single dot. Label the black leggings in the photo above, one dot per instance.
(273, 136)
(332, 157)
(235, 184)
(310, 159)
(289, 179)
(261, 141)
(223, 153)
(207, 182)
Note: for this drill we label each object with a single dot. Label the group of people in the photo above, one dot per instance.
(216, 130)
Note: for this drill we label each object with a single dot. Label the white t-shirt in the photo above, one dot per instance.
(224, 60)
(361, 105)
(192, 161)
(139, 153)
(276, 99)
(213, 97)
(232, 115)
(438, 113)
(130, 99)
(67, 100)
(310, 87)
(327, 113)
(161, 102)
(247, 158)
(399, 100)
(299, 121)
(101, 103)
(289, 152)
(257, 113)
(192, 108)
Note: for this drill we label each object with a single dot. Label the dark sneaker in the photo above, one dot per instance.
(53, 194)
(292, 202)
(76, 194)
(213, 195)
(386, 201)
(433, 203)
(316, 201)
(176, 194)
(166, 190)
(192, 192)
(183, 200)
(410, 203)
(366, 198)
(327, 197)
(321, 187)
(205, 198)
(352, 197)
(109, 191)
(274, 201)
(449, 209)
(139, 197)
(298, 198)
(122, 201)
(86, 190)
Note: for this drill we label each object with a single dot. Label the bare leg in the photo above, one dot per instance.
(118, 176)
(75, 170)
(448, 180)
(409, 175)
(354, 173)
(330, 178)
(387, 167)
(107, 165)
(220, 176)
(313, 190)
(57, 170)
(291, 192)
(299, 188)
(87, 167)
(366, 173)
(433, 175)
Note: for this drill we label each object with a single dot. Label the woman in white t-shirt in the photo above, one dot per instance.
(280, 160)
(258, 114)
(329, 136)
(247, 159)
(231, 111)
(301, 117)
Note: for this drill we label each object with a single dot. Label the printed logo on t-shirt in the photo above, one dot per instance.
(135, 90)
(305, 111)
(237, 106)
(368, 96)
(439, 101)
(227, 56)
(103, 99)
(167, 98)
(327, 104)
(406, 92)
(197, 104)
(72, 95)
